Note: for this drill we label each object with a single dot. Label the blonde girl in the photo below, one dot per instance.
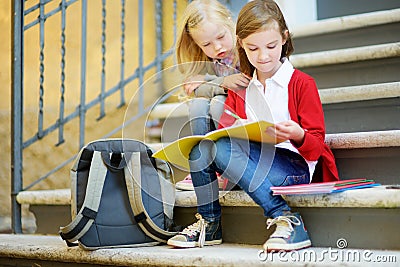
(207, 57)
(206, 43)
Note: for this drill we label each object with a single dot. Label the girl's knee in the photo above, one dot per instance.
(199, 107)
(222, 150)
(217, 108)
(202, 149)
(217, 105)
(222, 143)
(201, 156)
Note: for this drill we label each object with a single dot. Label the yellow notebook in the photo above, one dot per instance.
(178, 151)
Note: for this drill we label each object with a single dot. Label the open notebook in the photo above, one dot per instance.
(178, 151)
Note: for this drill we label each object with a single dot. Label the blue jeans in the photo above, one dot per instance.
(204, 114)
(254, 166)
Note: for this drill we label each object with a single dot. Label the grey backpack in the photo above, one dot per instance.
(120, 196)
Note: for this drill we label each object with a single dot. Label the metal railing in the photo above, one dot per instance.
(37, 15)
(45, 9)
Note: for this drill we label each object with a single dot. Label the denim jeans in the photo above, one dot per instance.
(205, 113)
(254, 166)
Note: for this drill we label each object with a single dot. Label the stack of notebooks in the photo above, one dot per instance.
(323, 188)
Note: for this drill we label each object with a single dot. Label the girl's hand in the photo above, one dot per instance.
(288, 130)
(192, 83)
(236, 82)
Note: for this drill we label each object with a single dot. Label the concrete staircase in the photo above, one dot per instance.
(356, 63)
(49, 251)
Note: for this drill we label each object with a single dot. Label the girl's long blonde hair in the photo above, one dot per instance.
(186, 50)
(256, 16)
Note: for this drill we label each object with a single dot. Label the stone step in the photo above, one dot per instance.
(351, 66)
(347, 55)
(384, 196)
(372, 155)
(348, 31)
(378, 197)
(39, 250)
(328, 217)
(372, 107)
(333, 95)
(339, 142)
(343, 215)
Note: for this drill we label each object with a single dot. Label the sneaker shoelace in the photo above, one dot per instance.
(283, 225)
(197, 227)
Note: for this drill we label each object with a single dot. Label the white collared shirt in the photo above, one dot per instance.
(271, 104)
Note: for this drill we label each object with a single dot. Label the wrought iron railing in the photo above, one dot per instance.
(37, 15)
(41, 11)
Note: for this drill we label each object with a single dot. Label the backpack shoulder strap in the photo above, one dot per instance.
(133, 185)
(88, 212)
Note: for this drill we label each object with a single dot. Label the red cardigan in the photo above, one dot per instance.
(305, 108)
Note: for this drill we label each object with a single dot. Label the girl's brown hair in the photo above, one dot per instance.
(256, 16)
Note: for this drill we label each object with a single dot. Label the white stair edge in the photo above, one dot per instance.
(344, 23)
(328, 96)
(375, 197)
(372, 139)
(45, 197)
(359, 93)
(53, 249)
(346, 55)
(356, 140)
(169, 110)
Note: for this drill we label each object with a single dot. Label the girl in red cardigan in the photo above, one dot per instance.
(277, 93)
